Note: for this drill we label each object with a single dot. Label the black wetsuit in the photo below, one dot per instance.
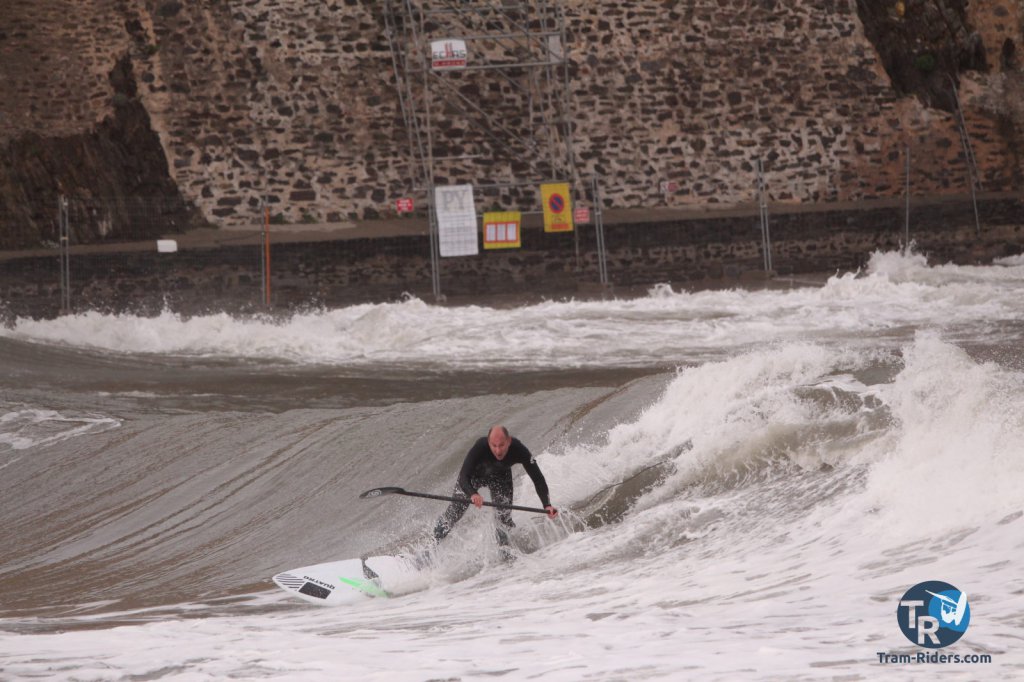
(482, 469)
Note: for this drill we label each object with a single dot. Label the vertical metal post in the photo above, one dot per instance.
(762, 201)
(602, 259)
(265, 254)
(263, 251)
(435, 248)
(906, 220)
(65, 254)
(428, 102)
(576, 238)
(564, 109)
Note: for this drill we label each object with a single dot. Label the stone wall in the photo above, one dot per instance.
(55, 59)
(999, 27)
(694, 252)
(294, 100)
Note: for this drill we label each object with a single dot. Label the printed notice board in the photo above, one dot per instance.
(456, 220)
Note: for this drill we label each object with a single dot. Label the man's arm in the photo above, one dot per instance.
(541, 485)
(538, 480)
(525, 457)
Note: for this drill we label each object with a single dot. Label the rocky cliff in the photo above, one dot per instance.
(220, 105)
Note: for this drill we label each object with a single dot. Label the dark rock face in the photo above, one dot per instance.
(923, 44)
(114, 176)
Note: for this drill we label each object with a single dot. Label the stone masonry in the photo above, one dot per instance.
(294, 100)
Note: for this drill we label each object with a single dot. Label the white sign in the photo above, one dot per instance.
(456, 220)
(166, 245)
(448, 54)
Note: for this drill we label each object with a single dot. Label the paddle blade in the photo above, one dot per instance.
(377, 492)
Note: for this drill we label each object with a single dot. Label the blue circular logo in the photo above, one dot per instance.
(556, 203)
(933, 614)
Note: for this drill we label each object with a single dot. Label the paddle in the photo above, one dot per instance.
(377, 492)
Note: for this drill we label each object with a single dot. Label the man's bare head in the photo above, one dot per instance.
(498, 439)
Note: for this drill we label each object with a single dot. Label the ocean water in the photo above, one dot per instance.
(749, 483)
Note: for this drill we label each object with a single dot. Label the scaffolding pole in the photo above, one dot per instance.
(602, 250)
(498, 115)
(65, 254)
(762, 203)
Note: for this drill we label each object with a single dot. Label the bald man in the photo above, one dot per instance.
(489, 464)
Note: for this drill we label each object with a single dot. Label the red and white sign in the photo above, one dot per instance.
(448, 54)
(668, 187)
(403, 205)
(581, 214)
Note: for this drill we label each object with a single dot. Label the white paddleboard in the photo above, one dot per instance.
(348, 581)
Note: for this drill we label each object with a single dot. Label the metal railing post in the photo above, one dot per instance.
(762, 203)
(65, 254)
(602, 253)
(435, 246)
(906, 192)
(265, 254)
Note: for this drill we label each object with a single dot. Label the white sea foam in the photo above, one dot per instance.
(1011, 261)
(664, 328)
(942, 444)
(716, 417)
(956, 456)
(21, 429)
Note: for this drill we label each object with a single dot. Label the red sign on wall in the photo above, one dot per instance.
(581, 214)
(403, 205)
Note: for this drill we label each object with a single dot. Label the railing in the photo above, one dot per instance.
(762, 205)
(972, 164)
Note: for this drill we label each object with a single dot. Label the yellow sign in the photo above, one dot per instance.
(557, 207)
(503, 230)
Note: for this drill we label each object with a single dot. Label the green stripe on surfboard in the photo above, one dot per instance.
(364, 586)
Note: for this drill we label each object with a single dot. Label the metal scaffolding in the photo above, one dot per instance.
(485, 97)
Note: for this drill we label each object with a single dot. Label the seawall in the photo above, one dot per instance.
(715, 249)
